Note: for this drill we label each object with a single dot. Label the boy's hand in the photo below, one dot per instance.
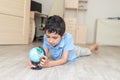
(44, 62)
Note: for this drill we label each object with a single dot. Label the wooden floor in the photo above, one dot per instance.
(104, 66)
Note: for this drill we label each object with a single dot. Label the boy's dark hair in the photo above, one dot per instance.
(55, 24)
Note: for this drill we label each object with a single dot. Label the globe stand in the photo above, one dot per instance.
(38, 67)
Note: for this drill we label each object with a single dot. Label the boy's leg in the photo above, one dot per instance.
(82, 51)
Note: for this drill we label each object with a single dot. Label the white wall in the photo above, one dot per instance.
(100, 9)
(96, 9)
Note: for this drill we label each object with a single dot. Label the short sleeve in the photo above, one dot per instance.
(69, 43)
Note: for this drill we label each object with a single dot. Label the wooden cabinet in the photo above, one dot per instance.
(74, 16)
(14, 21)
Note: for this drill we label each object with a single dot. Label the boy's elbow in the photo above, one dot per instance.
(64, 61)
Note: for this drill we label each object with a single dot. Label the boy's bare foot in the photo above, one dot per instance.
(94, 48)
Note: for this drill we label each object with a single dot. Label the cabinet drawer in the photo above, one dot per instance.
(71, 27)
(71, 4)
(70, 21)
(12, 7)
(11, 30)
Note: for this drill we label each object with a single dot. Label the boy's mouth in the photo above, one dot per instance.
(52, 44)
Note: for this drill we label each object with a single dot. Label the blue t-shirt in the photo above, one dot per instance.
(66, 44)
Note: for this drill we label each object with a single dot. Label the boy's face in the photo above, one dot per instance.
(53, 38)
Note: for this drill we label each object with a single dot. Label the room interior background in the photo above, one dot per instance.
(96, 9)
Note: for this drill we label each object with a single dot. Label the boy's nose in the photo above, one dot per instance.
(50, 40)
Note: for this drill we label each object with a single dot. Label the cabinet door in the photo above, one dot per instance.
(81, 34)
(14, 21)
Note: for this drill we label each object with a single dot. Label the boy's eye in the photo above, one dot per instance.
(52, 37)
(55, 37)
(48, 36)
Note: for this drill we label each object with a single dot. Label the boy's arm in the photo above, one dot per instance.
(50, 63)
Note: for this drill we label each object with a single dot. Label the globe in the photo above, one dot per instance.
(36, 53)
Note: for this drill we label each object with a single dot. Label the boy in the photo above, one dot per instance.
(60, 44)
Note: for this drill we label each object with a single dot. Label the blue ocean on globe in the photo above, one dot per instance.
(35, 54)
